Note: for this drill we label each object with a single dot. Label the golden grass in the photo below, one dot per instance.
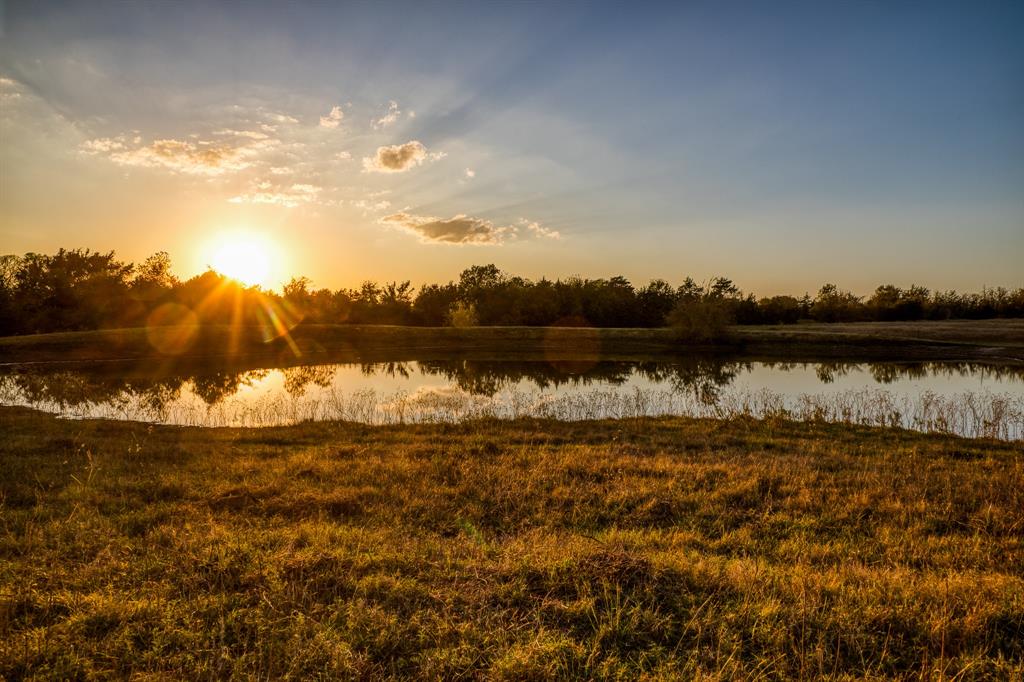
(638, 548)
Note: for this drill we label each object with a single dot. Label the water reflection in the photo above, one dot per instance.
(702, 377)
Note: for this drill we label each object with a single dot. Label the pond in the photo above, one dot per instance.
(969, 399)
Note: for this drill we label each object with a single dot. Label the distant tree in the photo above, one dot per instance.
(81, 289)
(654, 302)
(780, 310)
(834, 305)
(432, 303)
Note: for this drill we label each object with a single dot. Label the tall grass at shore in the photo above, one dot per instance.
(974, 414)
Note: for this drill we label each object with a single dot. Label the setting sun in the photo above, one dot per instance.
(248, 258)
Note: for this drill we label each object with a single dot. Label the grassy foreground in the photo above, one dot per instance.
(667, 548)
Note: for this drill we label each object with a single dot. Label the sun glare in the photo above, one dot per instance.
(248, 258)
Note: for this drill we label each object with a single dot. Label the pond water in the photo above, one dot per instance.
(968, 399)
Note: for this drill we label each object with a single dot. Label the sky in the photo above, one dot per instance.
(782, 144)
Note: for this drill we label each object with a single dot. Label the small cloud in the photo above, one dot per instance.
(539, 230)
(289, 197)
(470, 173)
(102, 145)
(344, 156)
(389, 117)
(459, 229)
(251, 134)
(282, 118)
(333, 119)
(399, 157)
(371, 206)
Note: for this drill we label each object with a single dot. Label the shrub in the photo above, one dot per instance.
(462, 315)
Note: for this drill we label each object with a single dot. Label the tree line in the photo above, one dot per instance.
(79, 289)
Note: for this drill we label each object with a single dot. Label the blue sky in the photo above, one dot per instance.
(782, 144)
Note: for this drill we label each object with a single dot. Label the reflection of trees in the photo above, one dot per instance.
(391, 369)
(73, 389)
(297, 378)
(487, 377)
(69, 388)
(704, 377)
(215, 387)
(887, 373)
(828, 371)
(890, 372)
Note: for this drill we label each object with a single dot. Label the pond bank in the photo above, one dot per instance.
(997, 341)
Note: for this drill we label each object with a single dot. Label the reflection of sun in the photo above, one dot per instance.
(248, 258)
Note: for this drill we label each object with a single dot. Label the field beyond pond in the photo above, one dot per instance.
(999, 340)
(527, 549)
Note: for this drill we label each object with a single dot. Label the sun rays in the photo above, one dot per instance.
(248, 257)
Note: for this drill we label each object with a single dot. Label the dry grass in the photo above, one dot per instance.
(658, 548)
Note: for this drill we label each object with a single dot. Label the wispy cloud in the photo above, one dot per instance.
(371, 205)
(538, 230)
(333, 119)
(390, 116)
(289, 197)
(399, 157)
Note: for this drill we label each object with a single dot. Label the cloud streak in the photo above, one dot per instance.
(459, 229)
(538, 230)
(289, 197)
(199, 157)
(389, 117)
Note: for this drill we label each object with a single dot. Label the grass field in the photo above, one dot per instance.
(988, 340)
(667, 548)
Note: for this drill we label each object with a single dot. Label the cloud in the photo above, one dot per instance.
(289, 197)
(234, 151)
(389, 117)
(344, 156)
(282, 118)
(459, 229)
(539, 230)
(10, 89)
(399, 157)
(333, 119)
(251, 134)
(470, 173)
(186, 157)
